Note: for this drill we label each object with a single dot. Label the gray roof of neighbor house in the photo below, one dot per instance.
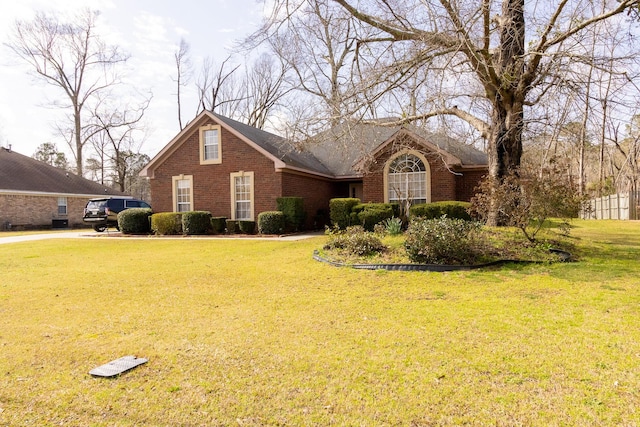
(19, 173)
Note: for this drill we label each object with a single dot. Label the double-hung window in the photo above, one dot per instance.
(210, 146)
(242, 196)
(62, 205)
(183, 193)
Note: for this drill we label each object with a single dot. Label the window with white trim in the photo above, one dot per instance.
(210, 147)
(62, 205)
(407, 180)
(182, 193)
(242, 196)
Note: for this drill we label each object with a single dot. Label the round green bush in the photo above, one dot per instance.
(442, 241)
(340, 211)
(355, 241)
(271, 222)
(134, 221)
(374, 213)
(196, 222)
(166, 223)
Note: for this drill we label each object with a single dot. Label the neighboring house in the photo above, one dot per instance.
(237, 171)
(34, 194)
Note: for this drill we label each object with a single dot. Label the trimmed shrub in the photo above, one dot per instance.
(340, 211)
(196, 222)
(452, 209)
(271, 222)
(355, 241)
(232, 226)
(442, 241)
(294, 214)
(218, 224)
(166, 223)
(371, 214)
(247, 227)
(134, 221)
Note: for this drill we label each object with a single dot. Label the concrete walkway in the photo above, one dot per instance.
(90, 234)
(42, 236)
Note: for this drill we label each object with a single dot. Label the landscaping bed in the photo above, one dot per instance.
(488, 247)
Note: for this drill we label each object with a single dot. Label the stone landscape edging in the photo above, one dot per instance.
(565, 256)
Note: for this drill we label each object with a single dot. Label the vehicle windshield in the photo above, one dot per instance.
(96, 204)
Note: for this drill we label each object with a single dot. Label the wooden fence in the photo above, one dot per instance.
(615, 206)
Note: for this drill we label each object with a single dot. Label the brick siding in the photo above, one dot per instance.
(38, 211)
(212, 186)
(467, 182)
(211, 183)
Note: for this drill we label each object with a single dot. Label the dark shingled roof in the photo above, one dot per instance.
(277, 146)
(22, 173)
(335, 153)
(341, 147)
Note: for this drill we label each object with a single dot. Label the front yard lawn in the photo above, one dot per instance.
(251, 333)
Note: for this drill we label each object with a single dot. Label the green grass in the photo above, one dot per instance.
(247, 332)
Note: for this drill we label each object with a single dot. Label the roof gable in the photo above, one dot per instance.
(274, 147)
(347, 148)
(19, 173)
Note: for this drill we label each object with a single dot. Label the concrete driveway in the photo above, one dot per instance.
(116, 234)
(42, 236)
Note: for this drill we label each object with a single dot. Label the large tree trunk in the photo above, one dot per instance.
(505, 140)
(507, 118)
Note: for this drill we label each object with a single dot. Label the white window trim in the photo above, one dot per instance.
(233, 194)
(201, 132)
(427, 173)
(174, 182)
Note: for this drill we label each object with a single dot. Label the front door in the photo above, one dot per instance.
(355, 190)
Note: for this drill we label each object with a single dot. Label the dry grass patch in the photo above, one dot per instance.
(242, 332)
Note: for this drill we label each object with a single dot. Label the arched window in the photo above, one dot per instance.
(407, 180)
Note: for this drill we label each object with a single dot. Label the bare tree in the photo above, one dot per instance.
(119, 136)
(216, 89)
(265, 85)
(486, 42)
(184, 70)
(135, 184)
(318, 43)
(69, 56)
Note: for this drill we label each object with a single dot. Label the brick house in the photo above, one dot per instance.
(236, 171)
(34, 194)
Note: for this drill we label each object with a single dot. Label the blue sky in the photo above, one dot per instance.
(149, 30)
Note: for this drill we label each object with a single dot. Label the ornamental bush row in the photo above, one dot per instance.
(428, 241)
(144, 221)
(346, 212)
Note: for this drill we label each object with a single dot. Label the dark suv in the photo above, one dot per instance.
(102, 213)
